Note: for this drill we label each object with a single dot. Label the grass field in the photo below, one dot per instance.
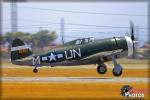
(67, 90)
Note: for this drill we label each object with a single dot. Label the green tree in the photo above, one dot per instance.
(1, 38)
(10, 36)
(39, 39)
(43, 38)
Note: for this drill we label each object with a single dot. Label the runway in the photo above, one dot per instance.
(67, 83)
(71, 82)
(74, 79)
(137, 66)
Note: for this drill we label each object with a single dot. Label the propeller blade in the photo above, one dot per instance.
(132, 30)
(132, 34)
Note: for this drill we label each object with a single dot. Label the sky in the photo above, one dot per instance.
(82, 19)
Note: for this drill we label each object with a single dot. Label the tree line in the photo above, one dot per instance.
(38, 40)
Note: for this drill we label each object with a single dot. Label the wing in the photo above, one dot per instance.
(105, 54)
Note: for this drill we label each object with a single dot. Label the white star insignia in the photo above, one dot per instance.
(52, 57)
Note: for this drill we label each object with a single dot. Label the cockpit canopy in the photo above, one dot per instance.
(81, 41)
(84, 41)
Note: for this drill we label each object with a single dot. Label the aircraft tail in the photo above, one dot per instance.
(20, 50)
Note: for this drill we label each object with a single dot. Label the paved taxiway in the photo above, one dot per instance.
(73, 79)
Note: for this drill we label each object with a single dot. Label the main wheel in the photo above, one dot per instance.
(35, 70)
(102, 69)
(117, 73)
(117, 70)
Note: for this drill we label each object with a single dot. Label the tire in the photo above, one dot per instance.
(35, 70)
(117, 74)
(101, 69)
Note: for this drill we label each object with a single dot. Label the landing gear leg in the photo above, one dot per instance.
(117, 70)
(101, 69)
(36, 63)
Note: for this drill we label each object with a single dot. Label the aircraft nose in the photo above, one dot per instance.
(130, 45)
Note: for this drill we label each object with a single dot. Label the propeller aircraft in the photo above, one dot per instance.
(78, 52)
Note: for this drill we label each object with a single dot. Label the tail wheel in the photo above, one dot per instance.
(102, 69)
(35, 70)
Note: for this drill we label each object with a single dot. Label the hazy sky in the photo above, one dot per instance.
(33, 16)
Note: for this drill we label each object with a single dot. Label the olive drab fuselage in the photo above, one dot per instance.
(82, 51)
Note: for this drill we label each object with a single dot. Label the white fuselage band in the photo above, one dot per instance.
(19, 48)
